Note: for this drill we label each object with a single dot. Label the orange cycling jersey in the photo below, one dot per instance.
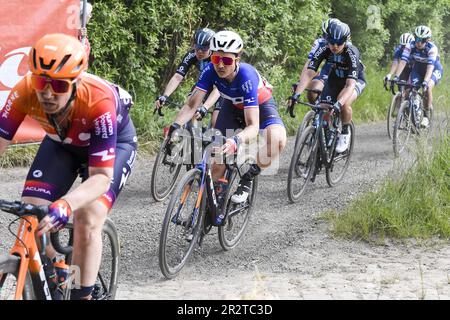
(98, 119)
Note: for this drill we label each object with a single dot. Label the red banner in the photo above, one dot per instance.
(22, 23)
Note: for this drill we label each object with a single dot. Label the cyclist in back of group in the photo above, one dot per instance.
(346, 80)
(247, 104)
(319, 80)
(426, 69)
(89, 132)
(198, 57)
(405, 39)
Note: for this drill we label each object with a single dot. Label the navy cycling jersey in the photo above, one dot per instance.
(247, 90)
(426, 56)
(346, 65)
(317, 43)
(189, 60)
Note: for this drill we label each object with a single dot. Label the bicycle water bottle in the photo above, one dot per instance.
(50, 275)
(417, 109)
(221, 188)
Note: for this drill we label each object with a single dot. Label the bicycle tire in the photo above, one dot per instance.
(190, 226)
(9, 270)
(308, 139)
(306, 122)
(105, 287)
(404, 114)
(390, 118)
(347, 154)
(157, 194)
(230, 221)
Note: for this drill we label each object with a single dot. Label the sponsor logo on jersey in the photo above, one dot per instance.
(38, 189)
(104, 125)
(7, 108)
(105, 154)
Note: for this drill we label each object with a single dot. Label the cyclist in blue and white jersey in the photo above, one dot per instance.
(426, 66)
(405, 39)
(247, 103)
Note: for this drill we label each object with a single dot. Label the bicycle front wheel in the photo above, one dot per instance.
(336, 171)
(392, 113)
(402, 128)
(237, 216)
(9, 271)
(302, 164)
(182, 225)
(306, 122)
(165, 171)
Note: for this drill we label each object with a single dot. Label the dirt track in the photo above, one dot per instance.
(287, 252)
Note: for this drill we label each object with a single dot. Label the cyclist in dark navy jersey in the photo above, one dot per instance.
(346, 80)
(198, 58)
(426, 67)
(88, 131)
(248, 104)
(319, 80)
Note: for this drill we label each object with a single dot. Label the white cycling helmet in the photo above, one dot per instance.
(326, 24)
(227, 41)
(406, 38)
(422, 32)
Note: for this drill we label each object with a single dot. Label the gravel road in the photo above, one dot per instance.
(288, 253)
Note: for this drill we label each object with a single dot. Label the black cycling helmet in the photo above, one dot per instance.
(202, 38)
(338, 32)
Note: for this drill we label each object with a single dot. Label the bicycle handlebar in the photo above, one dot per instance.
(21, 209)
(169, 103)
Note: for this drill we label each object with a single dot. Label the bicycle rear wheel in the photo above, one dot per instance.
(237, 216)
(105, 286)
(392, 113)
(402, 128)
(302, 164)
(165, 171)
(9, 271)
(339, 165)
(182, 225)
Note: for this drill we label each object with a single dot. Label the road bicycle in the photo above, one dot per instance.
(196, 206)
(316, 149)
(22, 274)
(409, 117)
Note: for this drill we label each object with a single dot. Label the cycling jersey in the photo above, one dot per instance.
(398, 52)
(346, 65)
(98, 118)
(426, 56)
(189, 60)
(101, 134)
(317, 43)
(247, 90)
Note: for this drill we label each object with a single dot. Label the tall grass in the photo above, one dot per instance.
(415, 205)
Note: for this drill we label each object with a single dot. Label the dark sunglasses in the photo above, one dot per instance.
(226, 60)
(333, 41)
(422, 40)
(200, 48)
(58, 86)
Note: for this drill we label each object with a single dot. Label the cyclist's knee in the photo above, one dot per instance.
(90, 218)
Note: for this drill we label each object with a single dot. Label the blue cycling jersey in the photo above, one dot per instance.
(248, 89)
(426, 56)
(398, 52)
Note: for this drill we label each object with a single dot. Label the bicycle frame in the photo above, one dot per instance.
(26, 248)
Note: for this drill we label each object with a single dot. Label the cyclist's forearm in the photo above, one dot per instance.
(89, 190)
(173, 84)
(430, 69)
(213, 97)
(394, 67)
(3, 145)
(188, 110)
(400, 68)
(305, 79)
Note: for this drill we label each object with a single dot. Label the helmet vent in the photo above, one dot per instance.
(63, 62)
(46, 66)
